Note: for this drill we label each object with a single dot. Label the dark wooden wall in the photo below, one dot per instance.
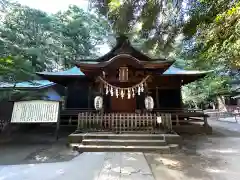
(167, 98)
(6, 109)
(77, 95)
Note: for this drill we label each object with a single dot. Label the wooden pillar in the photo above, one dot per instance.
(65, 98)
(157, 98)
(101, 92)
(89, 95)
(181, 99)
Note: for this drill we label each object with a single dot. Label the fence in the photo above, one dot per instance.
(231, 112)
(122, 122)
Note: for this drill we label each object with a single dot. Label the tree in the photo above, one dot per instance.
(32, 40)
(26, 32)
(211, 42)
(14, 70)
(214, 27)
(205, 91)
(79, 33)
(157, 22)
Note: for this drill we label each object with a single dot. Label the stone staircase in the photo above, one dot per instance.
(127, 142)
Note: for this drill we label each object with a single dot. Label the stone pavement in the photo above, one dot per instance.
(230, 119)
(203, 157)
(125, 166)
(87, 166)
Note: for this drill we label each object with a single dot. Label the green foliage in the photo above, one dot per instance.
(215, 28)
(205, 90)
(79, 33)
(15, 69)
(212, 42)
(32, 40)
(157, 22)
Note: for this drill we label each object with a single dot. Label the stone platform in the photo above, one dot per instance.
(128, 142)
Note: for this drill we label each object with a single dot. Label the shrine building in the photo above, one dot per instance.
(124, 77)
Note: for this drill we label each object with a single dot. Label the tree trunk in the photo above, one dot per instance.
(221, 103)
(213, 106)
(195, 105)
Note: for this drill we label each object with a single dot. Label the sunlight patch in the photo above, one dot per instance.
(60, 171)
(226, 151)
(42, 159)
(169, 162)
(131, 159)
(211, 170)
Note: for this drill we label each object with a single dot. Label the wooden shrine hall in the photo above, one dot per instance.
(123, 87)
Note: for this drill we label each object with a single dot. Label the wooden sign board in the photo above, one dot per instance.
(36, 111)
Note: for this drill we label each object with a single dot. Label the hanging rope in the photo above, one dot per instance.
(132, 87)
(130, 91)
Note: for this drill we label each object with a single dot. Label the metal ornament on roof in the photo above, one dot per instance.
(149, 103)
(129, 92)
(98, 103)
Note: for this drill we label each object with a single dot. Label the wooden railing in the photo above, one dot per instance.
(176, 110)
(178, 116)
(123, 122)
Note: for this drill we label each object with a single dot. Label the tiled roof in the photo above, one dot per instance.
(177, 71)
(35, 84)
(75, 71)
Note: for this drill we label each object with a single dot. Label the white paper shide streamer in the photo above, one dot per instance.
(129, 92)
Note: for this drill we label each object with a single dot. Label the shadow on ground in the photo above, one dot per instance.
(34, 146)
(204, 157)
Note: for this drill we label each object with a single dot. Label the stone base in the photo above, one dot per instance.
(193, 129)
(107, 142)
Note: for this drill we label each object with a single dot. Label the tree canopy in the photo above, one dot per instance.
(158, 23)
(32, 40)
(47, 41)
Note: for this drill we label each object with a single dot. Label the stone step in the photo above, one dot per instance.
(169, 138)
(124, 136)
(95, 148)
(146, 129)
(125, 142)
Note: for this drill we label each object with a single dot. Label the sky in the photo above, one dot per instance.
(53, 6)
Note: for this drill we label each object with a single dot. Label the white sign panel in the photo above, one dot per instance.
(37, 111)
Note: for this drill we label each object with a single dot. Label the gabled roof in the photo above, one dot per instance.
(177, 71)
(34, 84)
(62, 77)
(75, 71)
(124, 46)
